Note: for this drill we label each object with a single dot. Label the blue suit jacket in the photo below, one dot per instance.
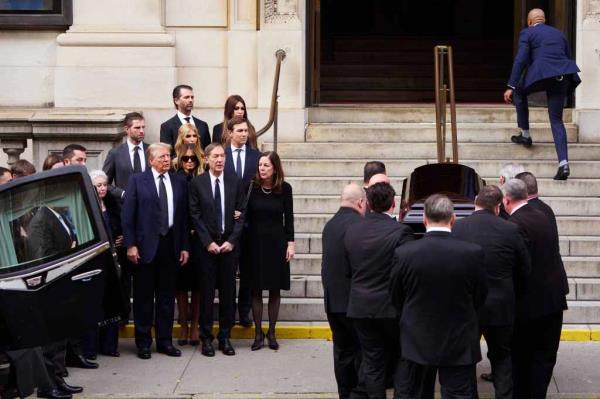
(543, 53)
(252, 157)
(141, 214)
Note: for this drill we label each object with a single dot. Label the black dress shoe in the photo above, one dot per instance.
(273, 344)
(259, 342)
(526, 141)
(169, 350)
(64, 387)
(207, 348)
(80, 362)
(144, 353)
(245, 322)
(54, 394)
(487, 377)
(111, 354)
(226, 347)
(562, 173)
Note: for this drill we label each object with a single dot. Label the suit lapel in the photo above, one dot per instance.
(149, 183)
(125, 155)
(175, 192)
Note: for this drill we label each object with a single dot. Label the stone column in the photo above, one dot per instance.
(587, 96)
(13, 149)
(242, 55)
(116, 54)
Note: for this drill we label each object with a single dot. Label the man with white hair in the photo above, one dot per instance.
(508, 171)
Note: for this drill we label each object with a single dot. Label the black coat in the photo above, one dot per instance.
(202, 209)
(47, 235)
(437, 285)
(505, 256)
(543, 291)
(370, 246)
(169, 129)
(119, 169)
(217, 135)
(335, 269)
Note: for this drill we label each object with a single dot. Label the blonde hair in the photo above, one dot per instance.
(181, 148)
(178, 164)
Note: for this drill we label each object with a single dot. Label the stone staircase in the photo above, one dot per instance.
(340, 139)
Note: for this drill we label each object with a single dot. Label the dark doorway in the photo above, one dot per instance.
(381, 51)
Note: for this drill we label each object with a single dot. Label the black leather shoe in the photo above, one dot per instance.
(169, 351)
(259, 342)
(144, 353)
(54, 394)
(207, 348)
(111, 354)
(526, 141)
(245, 321)
(487, 377)
(273, 344)
(562, 173)
(64, 387)
(80, 362)
(226, 347)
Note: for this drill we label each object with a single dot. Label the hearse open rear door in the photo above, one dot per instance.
(59, 276)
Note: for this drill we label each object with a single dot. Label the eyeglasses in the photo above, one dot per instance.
(189, 158)
(239, 108)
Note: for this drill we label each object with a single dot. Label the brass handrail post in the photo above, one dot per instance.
(444, 91)
(274, 109)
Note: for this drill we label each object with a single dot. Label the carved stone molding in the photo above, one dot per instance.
(592, 10)
(281, 12)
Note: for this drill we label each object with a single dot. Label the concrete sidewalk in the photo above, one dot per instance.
(300, 369)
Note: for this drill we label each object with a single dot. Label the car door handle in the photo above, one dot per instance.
(87, 275)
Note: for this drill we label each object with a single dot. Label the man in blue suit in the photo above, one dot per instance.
(242, 160)
(543, 63)
(155, 232)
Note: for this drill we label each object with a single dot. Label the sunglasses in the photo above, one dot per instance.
(189, 158)
(239, 108)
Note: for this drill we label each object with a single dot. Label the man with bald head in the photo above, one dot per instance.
(543, 63)
(378, 178)
(335, 274)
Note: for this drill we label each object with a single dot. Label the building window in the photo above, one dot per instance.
(36, 14)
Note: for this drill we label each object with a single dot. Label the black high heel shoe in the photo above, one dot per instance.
(259, 342)
(273, 344)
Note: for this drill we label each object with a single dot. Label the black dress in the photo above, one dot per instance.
(188, 276)
(270, 220)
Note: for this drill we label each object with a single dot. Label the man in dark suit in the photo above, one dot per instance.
(371, 169)
(335, 274)
(183, 99)
(128, 158)
(370, 246)
(214, 197)
(437, 285)
(541, 297)
(155, 233)
(242, 160)
(505, 255)
(543, 63)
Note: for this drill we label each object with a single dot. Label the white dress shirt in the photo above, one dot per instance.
(169, 188)
(241, 154)
(213, 179)
(183, 121)
(131, 147)
(445, 229)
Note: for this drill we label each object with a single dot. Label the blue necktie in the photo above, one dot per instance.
(238, 163)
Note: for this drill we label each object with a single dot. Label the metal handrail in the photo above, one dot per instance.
(280, 54)
(444, 88)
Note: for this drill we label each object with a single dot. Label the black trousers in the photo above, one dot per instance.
(535, 344)
(379, 343)
(346, 353)
(244, 298)
(417, 381)
(104, 339)
(499, 339)
(30, 371)
(154, 294)
(217, 272)
(55, 360)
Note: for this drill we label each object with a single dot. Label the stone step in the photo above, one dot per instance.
(577, 246)
(385, 151)
(312, 309)
(420, 114)
(547, 187)
(354, 167)
(426, 132)
(567, 225)
(562, 206)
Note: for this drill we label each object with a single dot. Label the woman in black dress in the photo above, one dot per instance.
(234, 106)
(190, 163)
(270, 238)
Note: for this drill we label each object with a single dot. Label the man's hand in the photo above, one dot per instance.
(213, 248)
(133, 255)
(119, 241)
(226, 247)
(508, 96)
(237, 214)
(291, 251)
(184, 256)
